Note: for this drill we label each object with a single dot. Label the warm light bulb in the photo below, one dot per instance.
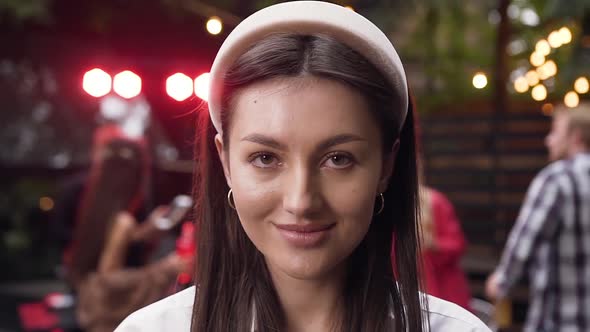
(581, 85)
(554, 39)
(521, 85)
(46, 203)
(537, 59)
(571, 99)
(539, 92)
(543, 47)
(480, 80)
(532, 77)
(547, 109)
(566, 35)
(214, 25)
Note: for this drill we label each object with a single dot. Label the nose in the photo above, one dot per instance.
(301, 193)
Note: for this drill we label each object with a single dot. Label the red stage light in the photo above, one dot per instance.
(179, 86)
(96, 82)
(202, 86)
(127, 84)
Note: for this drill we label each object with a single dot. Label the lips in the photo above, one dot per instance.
(304, 228)
(305, 236)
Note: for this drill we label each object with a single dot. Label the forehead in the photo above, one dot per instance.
(295, 106)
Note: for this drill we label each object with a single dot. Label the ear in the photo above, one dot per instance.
(223, 157)
(388, 167)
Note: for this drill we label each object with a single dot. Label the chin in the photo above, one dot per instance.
(305, 267)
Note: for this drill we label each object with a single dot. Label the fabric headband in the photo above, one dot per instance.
(309, 17)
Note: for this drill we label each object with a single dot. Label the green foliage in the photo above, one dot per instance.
(21, 10)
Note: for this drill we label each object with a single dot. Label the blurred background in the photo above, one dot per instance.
(485, 73)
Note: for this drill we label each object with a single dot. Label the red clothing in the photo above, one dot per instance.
(443, 276)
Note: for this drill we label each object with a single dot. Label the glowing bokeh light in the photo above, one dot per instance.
(96, 82)
(539, 92)
(543, 47)
(202, 86)
(127, 84)
(46, 203)
(214, 25)
(537, 59)
(532, 77)
(480, 80)
(571, 99)
(581, 85)
(566, 35)
(521, 85)
(179, 86)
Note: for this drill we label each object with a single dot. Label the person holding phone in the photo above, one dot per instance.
(107, 263)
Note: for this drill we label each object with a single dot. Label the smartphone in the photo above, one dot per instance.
(178, 208)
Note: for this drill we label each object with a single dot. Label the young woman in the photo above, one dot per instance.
(107, 259)
(306, 167)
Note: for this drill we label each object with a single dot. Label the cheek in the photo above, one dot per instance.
(255, 199)
(352, 200)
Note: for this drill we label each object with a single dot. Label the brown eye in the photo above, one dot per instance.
(339, 161)
(264, 160)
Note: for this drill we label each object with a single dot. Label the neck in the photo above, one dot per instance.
(310, 305)
(576, 149)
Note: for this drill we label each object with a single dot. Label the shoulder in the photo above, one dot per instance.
(170, 314)
(447, 316)
(438, 199)
(555, 170)
(553, 175)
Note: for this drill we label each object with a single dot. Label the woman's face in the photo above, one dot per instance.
(305, 164)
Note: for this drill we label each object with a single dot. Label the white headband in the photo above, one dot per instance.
(308, 17)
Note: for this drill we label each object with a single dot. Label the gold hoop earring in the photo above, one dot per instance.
(229, 200)
(382, 204)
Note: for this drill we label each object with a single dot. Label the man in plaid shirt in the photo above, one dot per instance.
(551, 237)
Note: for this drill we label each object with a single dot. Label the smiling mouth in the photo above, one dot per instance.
(305, 236)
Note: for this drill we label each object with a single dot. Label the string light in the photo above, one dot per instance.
(571, 99)
(566, 35)
(537, 59)
(547, 108)
(521, 85)
(480, 80)
(214, 25)
(539, 92)
(581, 85)
(532, 77)
(555, 39)
(543, 47)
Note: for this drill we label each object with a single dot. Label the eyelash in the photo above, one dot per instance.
(257, 155)
(254, 157)
(348, 156)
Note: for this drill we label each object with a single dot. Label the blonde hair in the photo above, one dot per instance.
(578, 119)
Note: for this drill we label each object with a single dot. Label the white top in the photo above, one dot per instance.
(174, 314)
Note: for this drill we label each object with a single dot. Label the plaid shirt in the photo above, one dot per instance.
(551, 238)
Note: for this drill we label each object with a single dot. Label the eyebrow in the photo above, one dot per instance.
(330, 142)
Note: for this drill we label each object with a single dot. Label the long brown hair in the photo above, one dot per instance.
(232, 275)
(117, 182)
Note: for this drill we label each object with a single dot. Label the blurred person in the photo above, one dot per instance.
(551, 237)
(106, 263)
(443, 245)
(307, 166)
